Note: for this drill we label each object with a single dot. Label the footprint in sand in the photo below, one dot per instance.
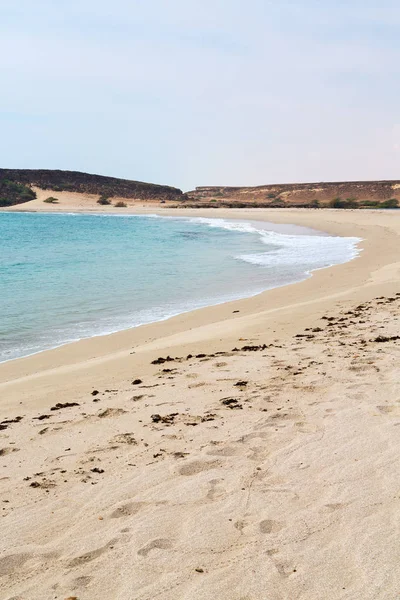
(359, 369)
(269, 526)
(197, 466)
(304, 427)
(385, 409)
(111, 412)
(240, 525)
(257, 453)
(125, 438)
(356, 396)
(216, 491)
(227, 451)
(279, 416)
(13, 562)
(252, 436)
(89, 556)
(335, 506)
(357, 386)
(126, 510)
(285, 569)
(81, 582)
(160, 544)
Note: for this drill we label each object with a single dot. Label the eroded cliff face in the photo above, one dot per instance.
(85, 183)
(300, 194)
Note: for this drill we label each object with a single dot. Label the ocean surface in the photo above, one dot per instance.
(64, 277)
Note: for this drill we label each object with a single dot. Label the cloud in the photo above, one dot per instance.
(192, 93)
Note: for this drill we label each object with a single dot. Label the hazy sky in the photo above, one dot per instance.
(202, 92)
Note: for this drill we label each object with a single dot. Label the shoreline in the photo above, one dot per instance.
(260, 316)
(216, 454)
(215, 302)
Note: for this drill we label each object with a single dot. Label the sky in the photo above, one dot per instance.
(202, 92)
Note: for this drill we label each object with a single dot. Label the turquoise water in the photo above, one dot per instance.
(64, 277)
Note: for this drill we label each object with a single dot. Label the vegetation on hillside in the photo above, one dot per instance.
(12, 192)
(103, 200)
(340, 203)
(353, 203)
(86, 183)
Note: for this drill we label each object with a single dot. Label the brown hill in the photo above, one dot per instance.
(16, 184)
(16, 188)
(353, 193)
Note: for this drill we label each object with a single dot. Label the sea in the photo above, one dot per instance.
(65, 277)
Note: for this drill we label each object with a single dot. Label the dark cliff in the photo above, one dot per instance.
(74, 181)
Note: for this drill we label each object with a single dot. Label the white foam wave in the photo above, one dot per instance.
(310, 252)
(307, 252)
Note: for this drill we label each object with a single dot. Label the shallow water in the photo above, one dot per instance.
(64, 277)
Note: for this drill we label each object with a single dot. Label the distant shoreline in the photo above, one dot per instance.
(20, 185)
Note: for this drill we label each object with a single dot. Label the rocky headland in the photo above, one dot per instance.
(17, 186)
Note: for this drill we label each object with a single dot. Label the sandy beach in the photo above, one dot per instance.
(244, 451)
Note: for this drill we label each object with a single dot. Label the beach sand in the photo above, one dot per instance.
(264, 466)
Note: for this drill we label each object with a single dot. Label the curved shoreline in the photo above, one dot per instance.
(248, 227)
(280, 311)
(251, 470)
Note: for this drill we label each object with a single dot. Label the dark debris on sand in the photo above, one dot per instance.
(61, 405)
